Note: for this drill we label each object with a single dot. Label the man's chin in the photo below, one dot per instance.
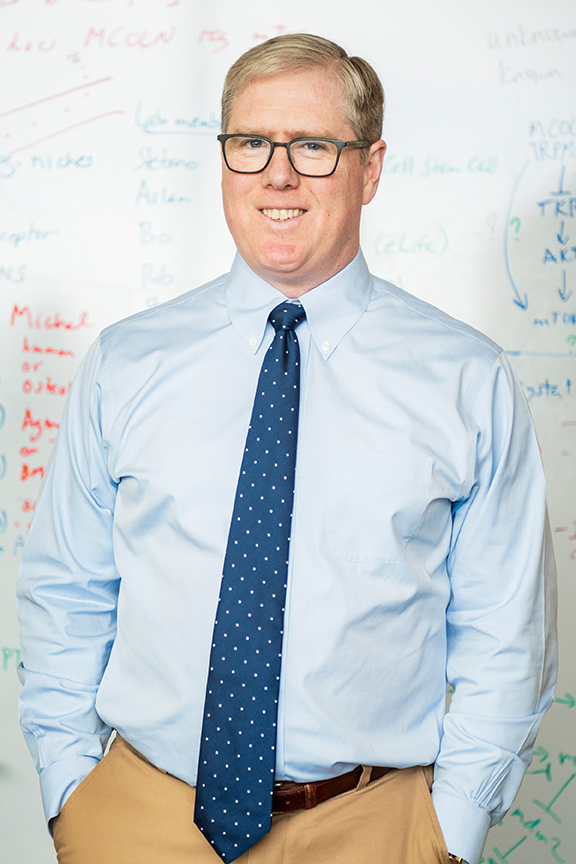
(282, 261)
(286, 269)
(288, 274)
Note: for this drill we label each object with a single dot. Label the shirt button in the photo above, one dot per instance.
(326, 346)
(253, 340)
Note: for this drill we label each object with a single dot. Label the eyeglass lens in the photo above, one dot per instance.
(309, 155)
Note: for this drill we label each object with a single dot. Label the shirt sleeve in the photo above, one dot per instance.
(67, 595)
(501, 656)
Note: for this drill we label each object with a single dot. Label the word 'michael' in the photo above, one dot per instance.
(39, 321)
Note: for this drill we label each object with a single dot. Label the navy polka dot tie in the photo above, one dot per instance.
(238, 744)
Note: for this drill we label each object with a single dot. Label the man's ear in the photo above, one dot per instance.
(373, 170)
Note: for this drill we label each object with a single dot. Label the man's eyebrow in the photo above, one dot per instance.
(298, 133)
(307, 134)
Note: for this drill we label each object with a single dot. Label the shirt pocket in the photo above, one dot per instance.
(376, 501)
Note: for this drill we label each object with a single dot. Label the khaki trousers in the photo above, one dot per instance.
(127, 811)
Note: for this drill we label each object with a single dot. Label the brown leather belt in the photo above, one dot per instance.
(304, 796)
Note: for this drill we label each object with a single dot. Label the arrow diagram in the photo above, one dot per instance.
(561, 190)
(569, 700)
(564, 295)
(520, 301)
(561, 238)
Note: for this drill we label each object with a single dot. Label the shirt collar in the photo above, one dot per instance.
(332, 308)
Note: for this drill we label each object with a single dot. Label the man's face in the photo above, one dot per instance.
(298, 253)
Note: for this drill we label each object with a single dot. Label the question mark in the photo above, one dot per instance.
(571, 340)
(515, 222)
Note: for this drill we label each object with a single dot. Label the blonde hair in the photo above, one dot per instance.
(362, 90)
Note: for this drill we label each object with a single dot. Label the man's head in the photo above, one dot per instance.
(362, 93)
(297, 231)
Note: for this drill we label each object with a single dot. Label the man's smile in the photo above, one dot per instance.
(281, 215)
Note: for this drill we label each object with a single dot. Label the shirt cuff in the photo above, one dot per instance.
(58, 781)
(464, 825)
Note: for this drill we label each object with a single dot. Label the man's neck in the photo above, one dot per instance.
(292, 287)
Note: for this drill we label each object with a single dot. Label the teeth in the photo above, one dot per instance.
(281, 215)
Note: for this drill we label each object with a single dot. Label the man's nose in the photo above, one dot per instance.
(280, 172)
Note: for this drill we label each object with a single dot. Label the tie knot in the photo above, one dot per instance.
(287, 316)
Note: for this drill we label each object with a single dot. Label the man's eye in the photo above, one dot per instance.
(314, 146)
(311, 148)
(254, 143)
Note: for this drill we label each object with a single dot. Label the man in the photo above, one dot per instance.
(280, 633)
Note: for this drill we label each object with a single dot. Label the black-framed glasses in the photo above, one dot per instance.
(310, 157)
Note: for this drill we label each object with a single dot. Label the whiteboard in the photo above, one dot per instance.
(109, 188)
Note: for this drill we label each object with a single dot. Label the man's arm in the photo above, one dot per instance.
(67, 595)
(500, 620)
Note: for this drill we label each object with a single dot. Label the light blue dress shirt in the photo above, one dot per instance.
(419, 551)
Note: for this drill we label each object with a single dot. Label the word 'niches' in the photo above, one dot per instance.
(47, 161)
